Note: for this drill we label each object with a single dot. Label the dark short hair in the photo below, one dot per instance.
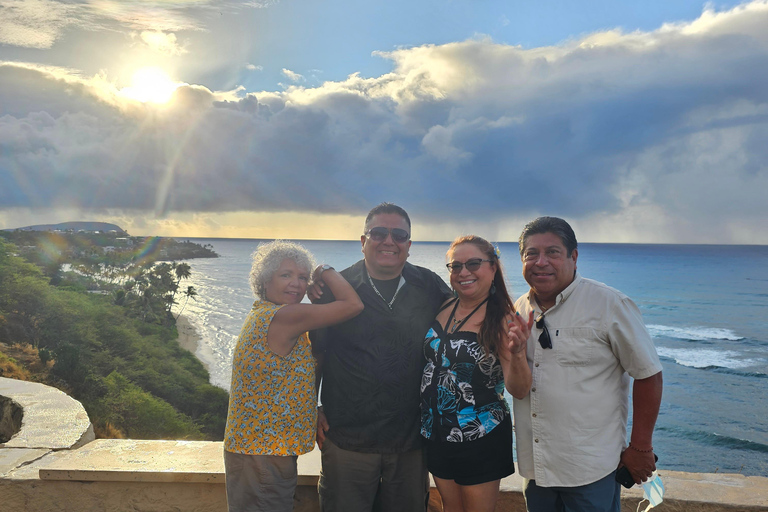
(387, 208)
(552, 225)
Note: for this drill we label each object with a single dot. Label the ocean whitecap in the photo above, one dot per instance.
(693, 333)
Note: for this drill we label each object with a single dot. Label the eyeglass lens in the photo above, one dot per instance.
(471, 265)
(544, 339)
(380, 234)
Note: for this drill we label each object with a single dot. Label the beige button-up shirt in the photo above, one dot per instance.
(572, 426)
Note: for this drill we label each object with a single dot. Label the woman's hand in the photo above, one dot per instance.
(512, 353)
(315, 290)
(518, 332)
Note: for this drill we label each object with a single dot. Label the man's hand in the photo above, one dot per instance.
(646, 399)
(322, 427)
(641, 465)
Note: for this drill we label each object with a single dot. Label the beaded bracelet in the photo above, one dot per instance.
(639, 450)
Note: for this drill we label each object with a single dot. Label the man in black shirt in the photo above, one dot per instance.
(368, 428)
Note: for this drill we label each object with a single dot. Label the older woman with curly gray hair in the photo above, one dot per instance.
(272, 417)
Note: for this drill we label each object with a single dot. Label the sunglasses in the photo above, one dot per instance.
(380, 234)
(472, 265)
(544, 339)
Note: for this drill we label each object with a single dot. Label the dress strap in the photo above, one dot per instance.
(447, 304)
(461, 324)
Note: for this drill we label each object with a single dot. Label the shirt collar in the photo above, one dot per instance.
(561, 297)
(357, 275)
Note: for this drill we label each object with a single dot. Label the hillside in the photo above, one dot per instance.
(103, 227)
(116, 350)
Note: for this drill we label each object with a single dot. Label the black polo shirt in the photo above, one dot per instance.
(372, 364)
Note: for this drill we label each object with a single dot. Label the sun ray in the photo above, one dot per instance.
(150, 85)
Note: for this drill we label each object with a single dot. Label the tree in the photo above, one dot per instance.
(190, 293)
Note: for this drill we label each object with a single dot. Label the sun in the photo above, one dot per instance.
(150, 85)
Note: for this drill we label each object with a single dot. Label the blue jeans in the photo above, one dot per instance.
(601, 496)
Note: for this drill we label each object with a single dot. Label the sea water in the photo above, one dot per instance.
(704, 305)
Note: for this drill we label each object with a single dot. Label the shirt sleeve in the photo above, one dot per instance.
(631, 341)
(442, 288)
(318, 338)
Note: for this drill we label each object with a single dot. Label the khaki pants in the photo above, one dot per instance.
(260, 483)
(363, 482)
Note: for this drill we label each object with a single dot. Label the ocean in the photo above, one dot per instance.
(704, 305)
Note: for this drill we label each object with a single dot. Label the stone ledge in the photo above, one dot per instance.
(125, 460)
(110, 460)
(51, 418)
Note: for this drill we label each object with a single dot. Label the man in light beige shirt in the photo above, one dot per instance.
(589, 339)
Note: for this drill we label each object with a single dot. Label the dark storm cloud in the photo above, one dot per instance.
(609, 124)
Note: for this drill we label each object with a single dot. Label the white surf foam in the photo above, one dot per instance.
(704, 358)
(693, 333)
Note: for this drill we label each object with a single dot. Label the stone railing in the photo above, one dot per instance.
(50, 463)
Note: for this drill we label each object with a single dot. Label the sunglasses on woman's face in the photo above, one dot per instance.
(472, 265)
(399, 236)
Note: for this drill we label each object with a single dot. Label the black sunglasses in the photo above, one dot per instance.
(472, 265)
(380, 234)
(544, 339)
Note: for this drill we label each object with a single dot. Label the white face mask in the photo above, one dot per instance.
(653, 492)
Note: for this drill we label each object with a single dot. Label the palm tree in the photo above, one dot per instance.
(191, 292)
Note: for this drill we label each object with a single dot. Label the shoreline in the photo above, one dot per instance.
(189, 339)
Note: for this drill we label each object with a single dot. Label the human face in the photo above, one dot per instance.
(288, 284)
(471, 285)
(547, 267)
(385, 259)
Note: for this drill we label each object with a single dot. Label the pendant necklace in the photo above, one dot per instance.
(399, 286)
(455, 323)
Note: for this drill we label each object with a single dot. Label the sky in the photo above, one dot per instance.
(638, 122)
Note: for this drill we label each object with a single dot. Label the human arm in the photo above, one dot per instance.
(322, 427)
(512, 354)
(294, 319)
(646, 400)
(322, 421)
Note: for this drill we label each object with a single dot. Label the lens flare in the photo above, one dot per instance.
(150, 85)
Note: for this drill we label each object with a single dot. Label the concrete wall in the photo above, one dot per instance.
(71, 472)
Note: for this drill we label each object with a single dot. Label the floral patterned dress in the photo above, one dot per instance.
(462, 387)
(272, 399)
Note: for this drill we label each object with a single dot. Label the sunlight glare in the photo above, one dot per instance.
(151, 85)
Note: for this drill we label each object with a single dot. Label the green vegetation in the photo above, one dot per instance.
(116, 351)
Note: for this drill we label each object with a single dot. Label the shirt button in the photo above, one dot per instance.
(534, 415)
(536, 365)
(535, 440)
(533, 389)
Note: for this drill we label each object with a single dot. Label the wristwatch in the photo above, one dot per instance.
(323, 268)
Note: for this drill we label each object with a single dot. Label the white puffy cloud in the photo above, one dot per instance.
(40, 23)
(161, 42)
(33, 23)
(292, 76)
(649, 136)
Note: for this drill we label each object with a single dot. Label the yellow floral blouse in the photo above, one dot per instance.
(272, 400)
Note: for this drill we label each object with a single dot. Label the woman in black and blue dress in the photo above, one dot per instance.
(474, 350)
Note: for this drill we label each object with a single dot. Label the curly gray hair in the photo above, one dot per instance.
(267, 259)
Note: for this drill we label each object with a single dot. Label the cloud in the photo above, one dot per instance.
(254, 67)
(293, 77)
(162, 43)
(652, 135)
(33, 23)
(40, 23)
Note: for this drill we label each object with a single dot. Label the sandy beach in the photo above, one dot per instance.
(188, 337)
